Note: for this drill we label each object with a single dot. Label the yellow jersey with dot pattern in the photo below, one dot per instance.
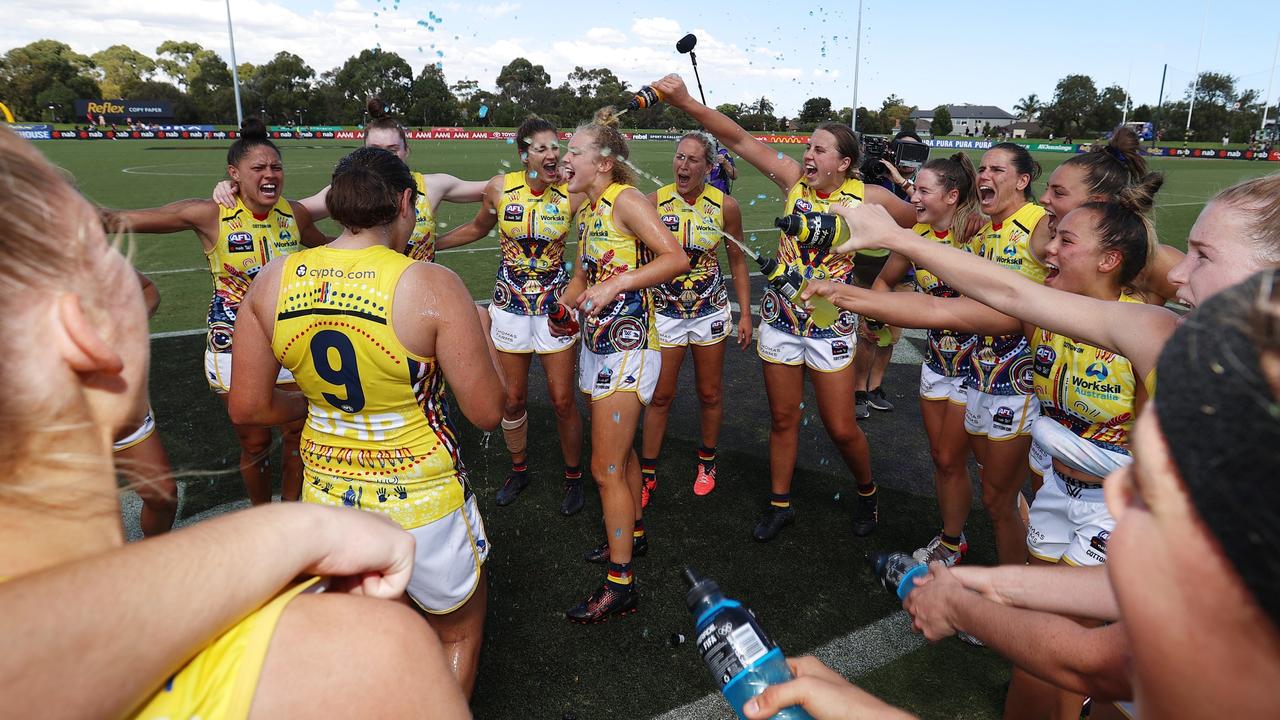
(813, 263)
(1089, 391)
(698, 227)
(532, 230)
(948, 351)
(1008, 243)
(245, 244)
(422, 243)
(378, 434)
(627, 323)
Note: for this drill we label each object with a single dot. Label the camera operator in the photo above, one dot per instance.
(869, 366)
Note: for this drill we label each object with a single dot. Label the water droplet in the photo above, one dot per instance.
(511, 141)
(493, 211)
(423, 23)
(588, 304)
(837, 497)
(533, 174)
(484, 110)
(605, 152)
(442, 224)
(762, 196)
(781, 154)
(806, 421)
(753, 202)
(617, 417)
(528, 141)
(613, 468)
(801, 406)
(439, 53)
(506, 164)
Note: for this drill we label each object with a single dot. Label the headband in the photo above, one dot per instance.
(1221, 422)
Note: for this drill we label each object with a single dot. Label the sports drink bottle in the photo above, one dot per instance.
(898, 571)
(814, 230)
(561, 316)
(742, 659)
(791, 284)
(645, 97)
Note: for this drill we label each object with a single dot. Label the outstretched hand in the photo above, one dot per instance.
(870, 226)
(224, 193)
(822, 693)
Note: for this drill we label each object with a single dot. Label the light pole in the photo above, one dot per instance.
(235, 73)
(857, 63)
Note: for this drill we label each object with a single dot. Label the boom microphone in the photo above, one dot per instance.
(685, 46)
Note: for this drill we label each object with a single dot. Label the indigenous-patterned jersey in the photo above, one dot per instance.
(1088, 390)
(1008, 243)
(948, 351)
(422, 243)
(378, 434)
(697, 226)
(812, 263)
(1002, 365)
(532, 230)
(626, 323)
(245, 244)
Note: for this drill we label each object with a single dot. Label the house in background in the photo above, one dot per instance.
(969, 119)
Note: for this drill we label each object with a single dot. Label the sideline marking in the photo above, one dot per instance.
(854, 654)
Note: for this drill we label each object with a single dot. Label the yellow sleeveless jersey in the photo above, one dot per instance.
(245, 244)
(378, 434)
(948, 351)
(220, 681)
(1008, 243)
(628, 322)
(698, 226)
(532, 230)
(422, 243)
(1088, 390)
(811, 263)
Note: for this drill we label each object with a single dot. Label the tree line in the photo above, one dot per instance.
(41, 81)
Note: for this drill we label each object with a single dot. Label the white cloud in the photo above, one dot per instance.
(605, 35)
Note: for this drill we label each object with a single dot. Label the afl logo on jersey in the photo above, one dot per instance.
(803, 206)
(672, 222)
(238, 242)
(514, 212)
(1045, 358)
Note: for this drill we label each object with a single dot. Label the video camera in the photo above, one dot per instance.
(905, 155)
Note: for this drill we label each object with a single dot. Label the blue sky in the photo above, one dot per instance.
(928, 53)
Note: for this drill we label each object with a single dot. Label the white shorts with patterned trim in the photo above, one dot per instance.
(999, 417)
(144, 431)
(1039, 459)
(1069, 522)
(448, 560)
(821, 354)
(706, 330)
(936, 386)
(632, 371)
(217, 370)
(513, 333)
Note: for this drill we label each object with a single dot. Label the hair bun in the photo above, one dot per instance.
(376, 108)
(606, 117)
(253, 129)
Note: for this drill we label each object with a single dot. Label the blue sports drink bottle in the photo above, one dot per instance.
(742, 659)
(898, 572)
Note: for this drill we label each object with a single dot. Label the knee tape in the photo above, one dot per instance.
(516, 433)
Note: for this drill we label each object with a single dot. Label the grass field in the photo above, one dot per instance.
(810, 588)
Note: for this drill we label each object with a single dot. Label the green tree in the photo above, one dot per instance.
(525, 87)
(814, 112)
(374, 73)
(120, 67)
(941, 124)
(42, 73)
(1109, 109)
(732, 111)
(283, 86)
(1074, 100)
(176, 59)
(433, 104)
(1028, 107)
(592, 89)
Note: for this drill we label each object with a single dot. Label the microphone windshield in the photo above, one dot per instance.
(686, 43)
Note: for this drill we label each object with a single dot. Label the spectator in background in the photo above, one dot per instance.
(724, 172)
